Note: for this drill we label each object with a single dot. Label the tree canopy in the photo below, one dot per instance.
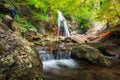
(82, 11)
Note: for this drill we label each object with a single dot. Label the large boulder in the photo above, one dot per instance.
(90, 53)
(18, 60)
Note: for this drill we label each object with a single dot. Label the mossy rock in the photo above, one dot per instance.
(19, 60)
(90, 53)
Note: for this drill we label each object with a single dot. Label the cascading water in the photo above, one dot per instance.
(46, 55)
(62, 21)
(56, 60)
(63, 55)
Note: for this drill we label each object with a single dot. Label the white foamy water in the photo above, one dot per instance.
(61, 19)
(58, 64)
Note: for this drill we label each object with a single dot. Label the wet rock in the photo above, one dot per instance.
(18, 60)
(90, 53)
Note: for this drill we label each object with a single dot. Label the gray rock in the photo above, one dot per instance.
(90, 53)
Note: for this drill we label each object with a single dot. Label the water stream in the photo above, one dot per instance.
(59, 66)
(62, 25)
(58, 60)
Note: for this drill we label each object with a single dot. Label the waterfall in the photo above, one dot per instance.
(62, 21)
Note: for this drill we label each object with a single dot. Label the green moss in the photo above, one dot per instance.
(1, 15)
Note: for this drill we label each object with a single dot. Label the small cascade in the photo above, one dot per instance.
(62, 25)
(46, 55)
(63, 55)
(57, 60)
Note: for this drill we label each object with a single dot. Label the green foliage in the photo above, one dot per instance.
(109, 10)
(23, 23)
(70, 8)
(40, 4)
(0, 15)
(83, 11)
(41, 17)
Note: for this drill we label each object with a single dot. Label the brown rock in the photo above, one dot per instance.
(4, 8)
(18, 60)
(7, 20)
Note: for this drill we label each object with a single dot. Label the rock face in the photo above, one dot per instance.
(4, 8)
(7, 20)
(18, 61)
(97, 28)
(112, 43)
(31, 35)
(90, 53)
